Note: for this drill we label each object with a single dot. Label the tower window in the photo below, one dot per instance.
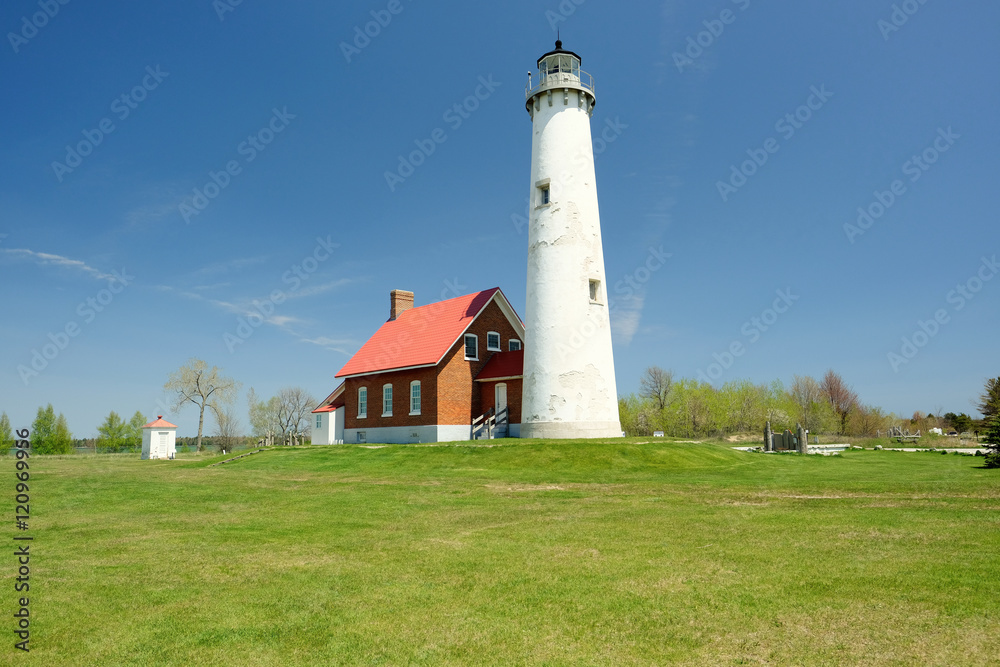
(544, 193)
(595, 291)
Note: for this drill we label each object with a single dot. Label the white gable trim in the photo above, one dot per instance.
(505, 308)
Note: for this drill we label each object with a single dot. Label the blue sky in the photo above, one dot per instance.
(219, 152)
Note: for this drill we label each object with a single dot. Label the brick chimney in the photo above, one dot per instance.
(399, 302)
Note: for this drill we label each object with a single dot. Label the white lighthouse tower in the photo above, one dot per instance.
(569, 371)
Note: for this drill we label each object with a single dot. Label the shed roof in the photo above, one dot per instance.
(159, 423)
(503, 366)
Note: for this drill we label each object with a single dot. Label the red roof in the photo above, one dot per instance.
(503, 365)
(159, 423)
(420, 336)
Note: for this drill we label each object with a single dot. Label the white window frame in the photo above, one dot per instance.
(544, 193)
(387, 408)
(594, 287)
(511, 345)
(362, 402)
(475, 338)
(415, 405)
(491, 348)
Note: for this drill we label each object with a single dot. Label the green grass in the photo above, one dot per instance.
(526, 552)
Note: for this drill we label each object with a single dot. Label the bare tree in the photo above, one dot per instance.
(867, 420)
(841, 397)
(294, 407)
(655, 384)
(806, 392)
(285, 414)
(204, 387)
(227, 426)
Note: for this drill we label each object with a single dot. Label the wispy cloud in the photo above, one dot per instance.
(342, 345)
(625, 317)
(229, 266)
(320, 289)
(58, 261)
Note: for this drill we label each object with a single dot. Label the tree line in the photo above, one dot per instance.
(195, 384)
(689, 408)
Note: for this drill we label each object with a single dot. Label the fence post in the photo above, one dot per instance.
(768, 442)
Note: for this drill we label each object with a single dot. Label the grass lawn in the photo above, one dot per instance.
(527, 552)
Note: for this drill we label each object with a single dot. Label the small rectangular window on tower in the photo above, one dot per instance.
(544, 193)
(595, 291)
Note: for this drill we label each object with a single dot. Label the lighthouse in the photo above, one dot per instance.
(569, 386)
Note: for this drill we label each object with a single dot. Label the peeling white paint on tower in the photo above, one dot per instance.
(569, 370)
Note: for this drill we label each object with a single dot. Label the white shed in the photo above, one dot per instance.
(159, 439)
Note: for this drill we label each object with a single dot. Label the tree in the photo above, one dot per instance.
(42, 429)
(134, 431)
(285, 414)
(204, 387)
(227, 427)
(960, 423)
(989, 401)
(62, 439)
(806, 393)
(655, 385)
(113, 434)
(867, 420)
(6, 435)
(993, 442)
(841, 397)
(294, 406)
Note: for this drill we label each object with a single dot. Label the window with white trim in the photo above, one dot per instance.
(319, 421)
(544, 197)
(362, 402)
(387, 400)
(415, 397)
(513, 345)
(492, 341)
(595, 291)
(471, 347)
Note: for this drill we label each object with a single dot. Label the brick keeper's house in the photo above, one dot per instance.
(446, 371)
